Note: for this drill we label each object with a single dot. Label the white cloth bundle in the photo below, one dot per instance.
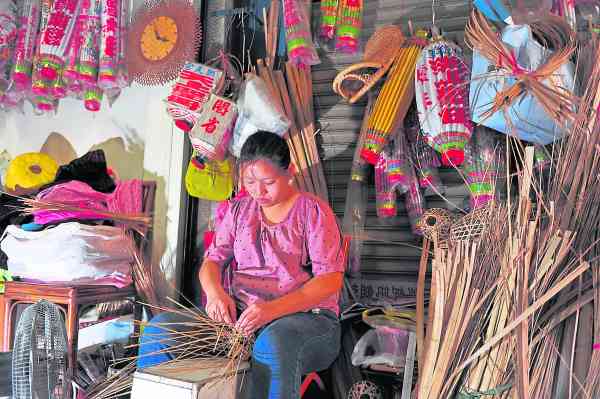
(70, 252)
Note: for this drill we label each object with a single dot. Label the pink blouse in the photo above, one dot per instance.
(276, 259)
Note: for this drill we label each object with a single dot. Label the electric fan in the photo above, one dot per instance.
(39, 360)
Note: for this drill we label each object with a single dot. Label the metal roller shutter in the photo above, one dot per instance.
(390, 257)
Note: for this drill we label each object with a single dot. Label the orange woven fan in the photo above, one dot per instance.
(164, 35)
(379, 55)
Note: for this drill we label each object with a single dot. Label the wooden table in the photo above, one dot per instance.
(70, 298)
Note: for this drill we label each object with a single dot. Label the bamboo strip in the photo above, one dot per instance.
(421, 301)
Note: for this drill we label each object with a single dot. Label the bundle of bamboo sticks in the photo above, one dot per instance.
(516, 312)
(291, 92)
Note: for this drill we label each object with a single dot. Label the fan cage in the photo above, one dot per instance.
(39, 360)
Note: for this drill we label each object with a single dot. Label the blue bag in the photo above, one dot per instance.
(529, 120)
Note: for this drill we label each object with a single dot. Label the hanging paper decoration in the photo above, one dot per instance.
(214, 128)
(27, 35)
(8, 32)
(441, 86)
(70, 72)
(301, 50)
(329, 10)
(109, 44)
(349, 26)
(192, 90)
(484, 166)
(55, 37)
(392, 103)
(90, 48)
(40, 86)
(385, 195)
(123, 79)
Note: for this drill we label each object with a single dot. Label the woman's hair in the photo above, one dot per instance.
(267, 146)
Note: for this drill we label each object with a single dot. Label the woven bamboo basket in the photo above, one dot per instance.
(435, 225)
(472, 225)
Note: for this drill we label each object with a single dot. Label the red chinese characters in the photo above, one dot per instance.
(221, 107)
(210, 126)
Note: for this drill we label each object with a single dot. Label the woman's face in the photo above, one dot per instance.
(266, 183)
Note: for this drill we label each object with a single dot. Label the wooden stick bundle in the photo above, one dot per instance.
(292, 95)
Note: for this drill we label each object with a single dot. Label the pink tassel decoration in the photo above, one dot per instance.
(349, 26)
(301, 49)
(329, 9)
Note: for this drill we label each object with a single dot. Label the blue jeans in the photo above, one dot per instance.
(284, 351)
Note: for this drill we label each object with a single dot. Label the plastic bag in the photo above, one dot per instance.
(209, 180)
(527, 118)
(383, 345)
(256, 112)
(301, 50)
(70, 252)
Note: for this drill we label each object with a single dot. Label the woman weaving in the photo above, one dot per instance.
(273, 234)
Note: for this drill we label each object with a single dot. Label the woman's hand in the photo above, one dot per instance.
(221, 307)
(255, 316)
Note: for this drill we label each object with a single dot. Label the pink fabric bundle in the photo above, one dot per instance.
(127, 198)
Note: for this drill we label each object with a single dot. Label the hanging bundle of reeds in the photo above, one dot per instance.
(558, 103)
(291, 92)
(393, 101)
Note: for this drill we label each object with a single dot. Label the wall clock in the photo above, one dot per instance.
(162, 37)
